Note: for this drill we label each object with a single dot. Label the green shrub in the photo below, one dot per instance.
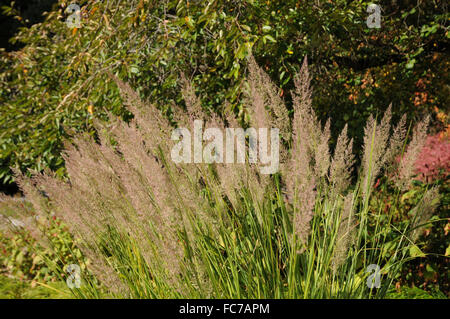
(415, 293)
(17, 289)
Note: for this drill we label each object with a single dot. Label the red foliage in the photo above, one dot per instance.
(434, 160)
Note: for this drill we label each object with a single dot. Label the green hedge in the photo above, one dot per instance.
(55, 85)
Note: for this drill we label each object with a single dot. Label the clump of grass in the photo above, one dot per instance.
(11, 288)
(152, 228)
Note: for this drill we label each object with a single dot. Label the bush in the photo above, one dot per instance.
(434, 161)
(16, 289)
(33, 251)
(428, 270)
(54, 86)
